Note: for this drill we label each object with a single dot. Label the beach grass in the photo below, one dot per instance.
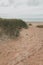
(12, 27)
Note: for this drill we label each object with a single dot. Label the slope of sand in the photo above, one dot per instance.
(26, 50)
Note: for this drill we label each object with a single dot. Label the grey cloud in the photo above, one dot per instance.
(4, 3)
(33, 2)
(17, 3)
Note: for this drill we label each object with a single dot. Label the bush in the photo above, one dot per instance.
(30, 24)
(40, 26)
(11, 27)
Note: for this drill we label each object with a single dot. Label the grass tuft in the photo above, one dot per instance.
(40, 26)
(30, 24)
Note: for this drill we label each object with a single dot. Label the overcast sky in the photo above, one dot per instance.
(24, 9)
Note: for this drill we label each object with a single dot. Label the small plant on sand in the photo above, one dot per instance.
(30, 24)
(40, 26)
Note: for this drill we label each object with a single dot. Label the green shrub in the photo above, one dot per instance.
(11, 27)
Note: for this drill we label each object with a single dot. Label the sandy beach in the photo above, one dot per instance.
(26, 50)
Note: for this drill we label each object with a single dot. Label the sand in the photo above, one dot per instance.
(26, 50)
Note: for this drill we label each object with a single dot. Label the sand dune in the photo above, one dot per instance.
(26, 50)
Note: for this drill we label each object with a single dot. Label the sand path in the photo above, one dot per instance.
(26, 50)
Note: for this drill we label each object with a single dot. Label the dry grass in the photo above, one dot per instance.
(40, 26)
(30, 24)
